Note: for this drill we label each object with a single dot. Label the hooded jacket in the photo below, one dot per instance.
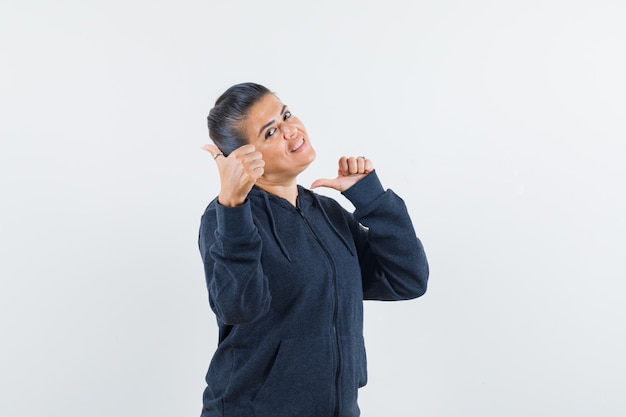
(287, 286)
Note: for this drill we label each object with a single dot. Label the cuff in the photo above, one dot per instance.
(365, 191)
(234, 221)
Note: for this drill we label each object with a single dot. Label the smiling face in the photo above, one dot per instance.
(280, 137)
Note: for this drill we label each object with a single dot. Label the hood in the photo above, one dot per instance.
(306, 201)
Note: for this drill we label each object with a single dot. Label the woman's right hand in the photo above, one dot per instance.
(238, 172)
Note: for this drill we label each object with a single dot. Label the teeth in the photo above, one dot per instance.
(295, 148)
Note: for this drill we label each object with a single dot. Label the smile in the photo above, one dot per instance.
(298, 145)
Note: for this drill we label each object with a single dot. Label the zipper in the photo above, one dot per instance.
(335, 307)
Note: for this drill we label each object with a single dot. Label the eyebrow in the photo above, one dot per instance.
(268, 124)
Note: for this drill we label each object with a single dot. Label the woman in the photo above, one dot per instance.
(287, 270)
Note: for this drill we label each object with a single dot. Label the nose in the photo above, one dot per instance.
(288, 131)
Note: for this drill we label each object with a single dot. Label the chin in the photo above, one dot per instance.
(312, 155)
(309, 161)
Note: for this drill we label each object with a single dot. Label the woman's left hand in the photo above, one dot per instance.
(351, 170)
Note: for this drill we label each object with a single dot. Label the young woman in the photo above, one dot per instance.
(287, 270)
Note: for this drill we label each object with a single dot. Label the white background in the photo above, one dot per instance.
(501, 123)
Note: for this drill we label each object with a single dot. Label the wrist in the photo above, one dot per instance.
(230, 201)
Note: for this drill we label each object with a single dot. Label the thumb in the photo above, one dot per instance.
(322, 182)
(212, 149)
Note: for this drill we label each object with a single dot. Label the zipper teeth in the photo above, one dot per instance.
(335, 307)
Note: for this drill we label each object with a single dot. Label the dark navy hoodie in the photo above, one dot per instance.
(287, 286)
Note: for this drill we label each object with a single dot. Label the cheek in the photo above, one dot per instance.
(269, 153)
(301, 125)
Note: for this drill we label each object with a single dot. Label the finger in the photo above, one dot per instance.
(252, 174)
(253, 164)
(353, 166)
(250, 161)
(212, 149)
(357, 165)
(322, 182)
(244, 150)
(215, 153)
(246, 154)
(343, 166)
(369, 166)
(258, 172)
(360, 164)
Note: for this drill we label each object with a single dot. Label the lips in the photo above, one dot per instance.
(298, 145)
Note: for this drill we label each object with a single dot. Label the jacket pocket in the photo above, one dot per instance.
(301, 383)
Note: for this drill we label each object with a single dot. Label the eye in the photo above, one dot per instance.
(287, 115)
(270, 133)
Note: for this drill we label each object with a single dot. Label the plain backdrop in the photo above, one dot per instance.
(501, 124)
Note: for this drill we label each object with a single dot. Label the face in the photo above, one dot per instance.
(280, 137)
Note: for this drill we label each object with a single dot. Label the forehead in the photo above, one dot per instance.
(264, 111)
(266, 108)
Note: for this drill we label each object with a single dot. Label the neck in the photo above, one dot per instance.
(288, 191)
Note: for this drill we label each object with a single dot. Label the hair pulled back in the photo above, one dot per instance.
(231, 108)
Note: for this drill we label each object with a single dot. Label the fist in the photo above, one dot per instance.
(351, 170)
(238, 172)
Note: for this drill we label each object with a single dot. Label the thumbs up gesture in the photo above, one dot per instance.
(351, 170)
(238, 172)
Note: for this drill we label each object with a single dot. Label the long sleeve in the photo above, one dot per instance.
(231, 247)
(392, 258)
